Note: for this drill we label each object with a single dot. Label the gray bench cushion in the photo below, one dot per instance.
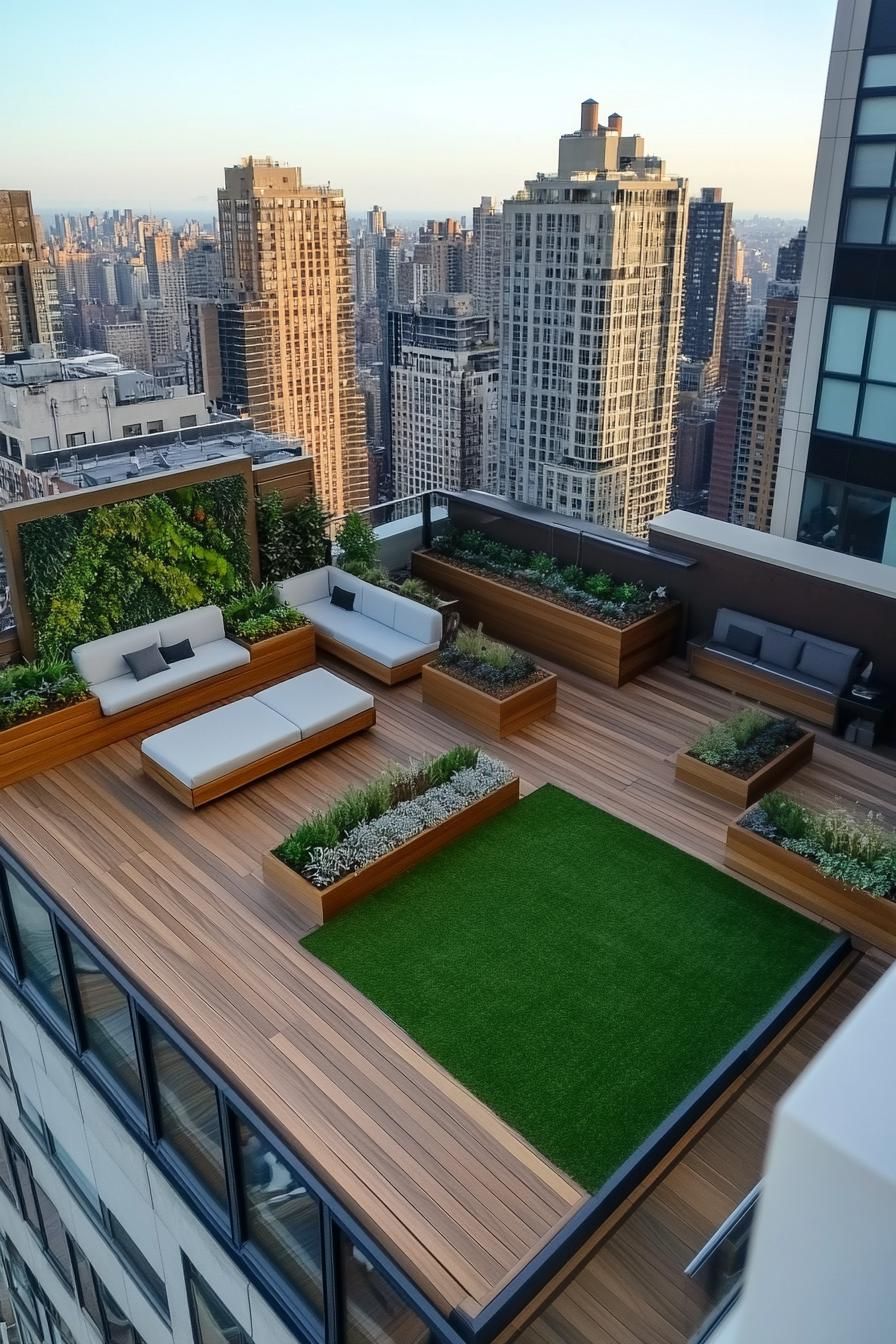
(797, 678)
(316, 700)
(726, 616)
(713, 646)
(213, 744)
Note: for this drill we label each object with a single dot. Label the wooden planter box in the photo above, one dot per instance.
(28, 747)
(296, 646)
(743, 792)
(801, 881)
(324, 903)
(580, 642)
(487, 712)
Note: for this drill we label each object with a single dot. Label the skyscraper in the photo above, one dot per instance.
(376, 221)
(488, 232)
(590, 330)
(30, 312)
(167, 283)
(706, 272)
(837, 474)
(789, 268)
(444, 393)
(287, 331)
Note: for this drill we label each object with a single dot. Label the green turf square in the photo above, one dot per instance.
(578, 975)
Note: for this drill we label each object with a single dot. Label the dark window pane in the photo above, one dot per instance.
(54, 1234)
(107, 1021)
(6, 1179)
(118, 1328)
(137, 1262)
(283, 1219)
(32, 1120)
(20, 1281)
(87, 1292)
(41, 964)
(26, 1190)
(5, 1070)
(188, 1108)
(374, 1313)
(213, 1322)
(79, 1184)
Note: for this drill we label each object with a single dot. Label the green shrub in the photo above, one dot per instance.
(789, 818)
(857, 850)
(258, 613)
(418, 591)
(290, 541)
(721, 744)
(29, 689)
(357, 542)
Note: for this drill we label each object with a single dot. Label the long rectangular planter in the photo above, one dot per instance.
(601, 651)
(743, 792)
(800, 880)
(25, 746)
(323, 903)
(500, 717)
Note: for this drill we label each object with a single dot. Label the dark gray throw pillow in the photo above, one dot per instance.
(176, 653)
(146, 662)
(341, 597)
(743, 641)
(781, 650)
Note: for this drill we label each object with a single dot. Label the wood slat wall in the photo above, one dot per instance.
(293, 478)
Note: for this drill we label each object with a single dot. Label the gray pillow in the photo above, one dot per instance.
(780, 650)
(146, 662)
(743, 641)
(826, 664)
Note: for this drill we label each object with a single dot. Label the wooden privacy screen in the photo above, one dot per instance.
(291, 477)
(13, 516)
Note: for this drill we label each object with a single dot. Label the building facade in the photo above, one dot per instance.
(444, 392)
(287, 336)
(837, 475)
(707, 268)
(30, 311)
(590, 331)
(488, 241)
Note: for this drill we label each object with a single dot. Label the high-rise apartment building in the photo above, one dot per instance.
(30, 312)
(488, 235)
(376, 221)
(167, 282)
(287, 329)
(447, 249)
(837, 474)
(789, 267)
(590, 330)
(706, 271)
(202, 271)
(444, 395)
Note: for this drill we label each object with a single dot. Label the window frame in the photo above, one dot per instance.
(24, 982)
(861, 380)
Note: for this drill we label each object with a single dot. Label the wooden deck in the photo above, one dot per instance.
(177, 897)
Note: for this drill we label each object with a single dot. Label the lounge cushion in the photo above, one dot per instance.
(780, 650)
(417, 622)
(146, 662)
(337, 577)
(202, 625)
(387, 647)
(316, 700)
(378, 604)
(343, 598)
(726, 616)
(103, 659)
(828, 664)
(744, 641)
(725, 651)
(304, 588)
(796, 678)
(120, 693)
(211, 745)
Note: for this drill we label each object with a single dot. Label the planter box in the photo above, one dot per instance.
(38, 744)
(297, 646)
(743, 792)
(580, 642)
(323, 903)
(487, 712)
(801, 881)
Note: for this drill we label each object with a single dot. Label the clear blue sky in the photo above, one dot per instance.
(417, 105)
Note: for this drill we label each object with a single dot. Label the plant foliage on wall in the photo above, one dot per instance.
(290, 541)
(95, 572)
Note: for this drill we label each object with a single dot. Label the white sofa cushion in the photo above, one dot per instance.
(202, 625)
(416, 621)
(304, 588)
(359, 632)
(224, 739)
(316, 700)
(378, 604)
(209, 660)
(103, 659)
(338, 578)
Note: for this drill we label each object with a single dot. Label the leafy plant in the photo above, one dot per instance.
(485, 662)
(357, 542)
(258, 613)
(418, 591)
(745, 743)
(290, 541)
(30, 689)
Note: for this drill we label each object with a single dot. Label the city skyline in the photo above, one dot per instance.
(681, 85)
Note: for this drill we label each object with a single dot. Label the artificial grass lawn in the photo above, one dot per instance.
(576, 974)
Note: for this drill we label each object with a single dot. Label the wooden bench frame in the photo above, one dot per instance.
(803, 702)
(265, 765)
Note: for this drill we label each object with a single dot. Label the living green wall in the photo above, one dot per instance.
(97, 571)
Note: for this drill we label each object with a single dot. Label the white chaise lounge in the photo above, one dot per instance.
(101, 662)
(222, 750)
(385, 634)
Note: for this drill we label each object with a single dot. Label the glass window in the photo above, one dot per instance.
(5, 1069)
(865, 219)
(32, 1120)
(282, 1218)
(877, 116)
(872, 165)
(879, 413)
(212, 1322)
(6, 1178)
(54, 1234)
(80, 1185)
(880, 71)
(22, 1170)
(118, 1328)
(188, 1114)
(107, 1021)
(142, 1270)
(87, 1288)
(845, 350)
(21, 1281)
(39, 958)
(374, 1313)
(882, 364)
(837, 406)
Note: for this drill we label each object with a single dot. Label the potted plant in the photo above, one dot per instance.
(373, 833)
(40, 702)
(838, 864)
(269, 628)
(742, 758)
(490, 684)
(609, 629)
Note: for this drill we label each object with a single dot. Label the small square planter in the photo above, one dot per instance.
(288, 652)
(744, 792)
(322, 903)
(800, 880)
(490, 713)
